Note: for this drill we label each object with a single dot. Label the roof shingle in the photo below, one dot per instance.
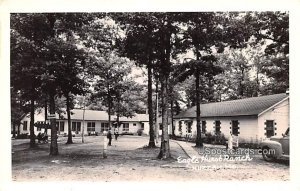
(94, 115)
(241, 107)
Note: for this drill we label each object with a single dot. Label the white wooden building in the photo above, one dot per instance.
(94, 121)
(251, 119)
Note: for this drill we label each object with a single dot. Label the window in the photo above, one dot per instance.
(104, 127)
(73, 126)
(218, 127)
(203, 126)
(160, 126)
(125, 126)
(235, 127)
(180, 126)
(91, 126)
(25, 125)
(134, 124)
(142, 126)
(270, 130)
(60, 126)
(189, 126)
(76, 126)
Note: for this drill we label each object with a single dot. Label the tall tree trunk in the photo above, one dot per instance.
(210, 89)
(14, 130)
(150, 108)
(241, 84)
(109, 117)
(172, 118)
(53, 145)
(83, 120)
(165, 146)
(165, 71)
(156, 114)
(198, 109)
(32, 135)
(46, 116)
(109, 109)
(118, 114)
(257, 83)
(18, 132)
(198, 118)
(69, 141)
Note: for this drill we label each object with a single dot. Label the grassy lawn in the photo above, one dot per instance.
(127, 160)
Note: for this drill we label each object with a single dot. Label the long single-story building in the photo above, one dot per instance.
(91, 120)
(251, 119)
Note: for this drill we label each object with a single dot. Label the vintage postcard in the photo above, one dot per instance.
(105, 96)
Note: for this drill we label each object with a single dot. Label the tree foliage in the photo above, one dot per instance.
(114, 86)
(231, 56)
(44, 57)
(271, 29)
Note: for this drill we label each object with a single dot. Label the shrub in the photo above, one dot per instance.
(220, 139)
(212, 138)
(208, 138)
(126, 133)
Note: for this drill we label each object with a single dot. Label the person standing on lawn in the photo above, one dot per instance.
(109, 136)
(116, 133)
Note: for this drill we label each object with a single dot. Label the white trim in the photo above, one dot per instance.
(273, 106)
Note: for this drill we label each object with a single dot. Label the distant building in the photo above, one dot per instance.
(94, 121)
(251, 119)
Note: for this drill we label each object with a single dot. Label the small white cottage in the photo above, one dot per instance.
(91, 120)
(251, 119)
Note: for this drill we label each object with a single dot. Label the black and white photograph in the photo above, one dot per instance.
(178, 96)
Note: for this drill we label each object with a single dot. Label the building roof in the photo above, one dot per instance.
(94, 115)
(241, 107)
(77, 114)
(136, 117)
